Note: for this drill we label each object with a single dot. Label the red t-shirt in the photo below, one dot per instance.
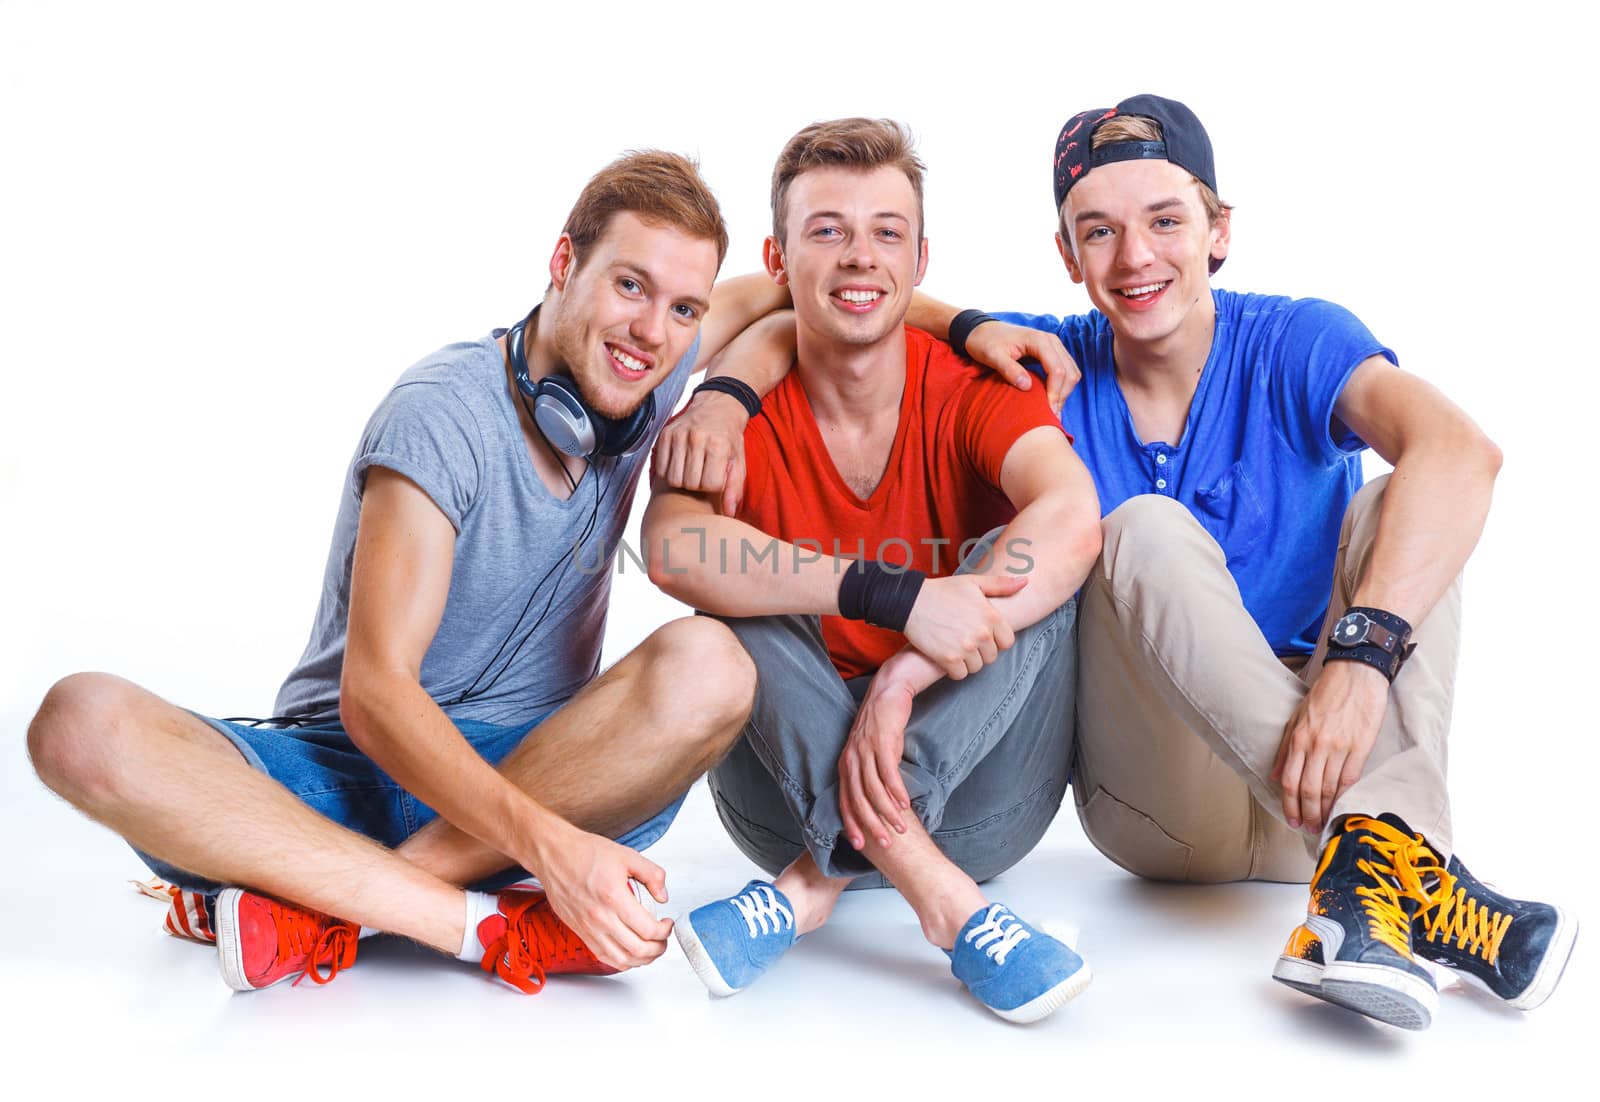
(942, 482)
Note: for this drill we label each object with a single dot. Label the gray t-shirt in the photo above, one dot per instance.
(449, 425)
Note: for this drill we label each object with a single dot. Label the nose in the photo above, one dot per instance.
(1134, 250)
(649, 326)
(858, 253)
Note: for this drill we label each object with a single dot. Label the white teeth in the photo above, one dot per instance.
(627, 361)
(860, 296)
(1132, 292)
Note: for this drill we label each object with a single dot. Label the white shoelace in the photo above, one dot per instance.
(760, 907)
(998, 933)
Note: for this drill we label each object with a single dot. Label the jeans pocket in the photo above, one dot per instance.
(1133, 839)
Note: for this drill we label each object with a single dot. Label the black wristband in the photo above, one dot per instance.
(736, 388)
(961, 327)
(1376, 657)
(880, 594)
(1386, 658)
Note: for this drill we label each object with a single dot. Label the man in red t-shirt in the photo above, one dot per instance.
(901, 573)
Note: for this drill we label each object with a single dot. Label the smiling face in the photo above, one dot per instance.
(623, 314)
(1141, 244)
(851, 255)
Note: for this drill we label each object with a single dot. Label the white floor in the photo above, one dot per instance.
(1181, 998)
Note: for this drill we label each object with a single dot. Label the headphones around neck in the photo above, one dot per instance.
(566, 420)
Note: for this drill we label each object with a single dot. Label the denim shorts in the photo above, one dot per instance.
(326, 771)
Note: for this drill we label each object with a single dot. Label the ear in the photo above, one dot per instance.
(1068, 259)
(922, 263)
(562, 261)
(1221, 235)
(772, 257)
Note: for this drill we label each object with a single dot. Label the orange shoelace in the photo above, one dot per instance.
(1392, 883)
(534, 939)
(324, 941)
(1447, 912)
(1458, 917)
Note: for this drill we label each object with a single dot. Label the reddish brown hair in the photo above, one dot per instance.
(661, 188)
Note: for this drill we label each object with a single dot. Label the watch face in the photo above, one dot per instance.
(1351, 629)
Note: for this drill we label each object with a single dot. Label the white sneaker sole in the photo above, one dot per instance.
(700, 960)
(1042, 1006)
(1303, 975)
(229, 958)
(1385, 994)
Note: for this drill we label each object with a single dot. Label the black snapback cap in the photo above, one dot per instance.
(1184, 142)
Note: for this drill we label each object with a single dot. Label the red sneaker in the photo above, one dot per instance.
(526, 941)
(262, 942)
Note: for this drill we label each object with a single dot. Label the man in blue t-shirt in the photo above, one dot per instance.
(446, 724)
(1242, 702)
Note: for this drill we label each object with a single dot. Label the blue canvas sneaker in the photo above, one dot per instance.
(1515, 949)
(1355, 946)
(1013, 969)
(732, 941)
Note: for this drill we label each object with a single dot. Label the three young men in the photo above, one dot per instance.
(1235, 707)
(447, 704)
(929, 743)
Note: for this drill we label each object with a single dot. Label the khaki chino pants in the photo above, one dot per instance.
(1182, 706)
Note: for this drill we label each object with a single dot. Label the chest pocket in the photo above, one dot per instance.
(1231, 511)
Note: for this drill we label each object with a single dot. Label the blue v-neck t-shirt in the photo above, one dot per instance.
(1258, 464)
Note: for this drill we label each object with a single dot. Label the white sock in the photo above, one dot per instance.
(368, 931)
(480, 906)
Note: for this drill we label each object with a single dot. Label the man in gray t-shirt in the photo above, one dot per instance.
(447, 705)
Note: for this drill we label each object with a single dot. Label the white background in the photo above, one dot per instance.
(225, 229)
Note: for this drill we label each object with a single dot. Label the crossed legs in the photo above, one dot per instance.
(174, 787)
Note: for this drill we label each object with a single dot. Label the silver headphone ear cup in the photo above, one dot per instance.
(563, 420)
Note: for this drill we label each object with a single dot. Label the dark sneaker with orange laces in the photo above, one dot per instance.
(1354, 948)
(525, 941)
(261, 942)
(1515, 949)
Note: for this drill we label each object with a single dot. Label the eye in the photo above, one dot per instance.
(825, 231)
(1166, 222)
(892, 235)
(685, 311)
(629, 286)
(1097, 233)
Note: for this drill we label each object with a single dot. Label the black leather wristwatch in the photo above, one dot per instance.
(1371, 636)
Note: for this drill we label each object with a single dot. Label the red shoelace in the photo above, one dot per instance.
(527, 938)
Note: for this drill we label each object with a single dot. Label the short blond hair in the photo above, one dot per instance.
(856, 143)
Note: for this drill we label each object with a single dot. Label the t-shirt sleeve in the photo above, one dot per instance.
(991, 416)
(757, 463)
(1075, 332)
(1048, 323)
(1317, 349)
(425, 432)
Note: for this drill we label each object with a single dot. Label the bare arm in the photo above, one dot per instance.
(405, 549)
(702, 449)
(736, 304)
(1055, 536)
(728, 567)
(722, 565)
(1002, 347)
(1432, 515)
(1437, 499)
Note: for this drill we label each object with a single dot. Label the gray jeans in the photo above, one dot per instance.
(985, 760)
